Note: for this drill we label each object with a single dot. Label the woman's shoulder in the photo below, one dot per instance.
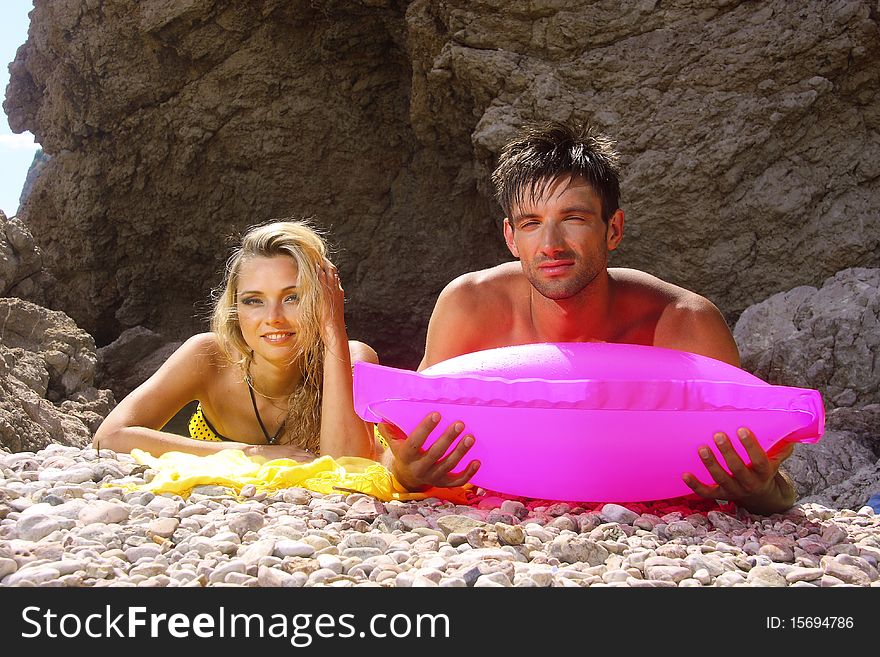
(207, 340)
(202, 350)
(191, 372)
(202, 343)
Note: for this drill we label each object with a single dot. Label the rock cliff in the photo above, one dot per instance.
(750, 137)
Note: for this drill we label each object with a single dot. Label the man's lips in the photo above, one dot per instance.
(555, 267)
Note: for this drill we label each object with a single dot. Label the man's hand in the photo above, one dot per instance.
(759, 487)
(418, 469)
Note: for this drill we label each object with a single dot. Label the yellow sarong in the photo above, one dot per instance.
(179, 473)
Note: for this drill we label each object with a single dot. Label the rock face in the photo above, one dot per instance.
(827, 339)
(37, 165)
(21, 262)
(750, 135)
(47, 369)
(173, 125)
(131, 359)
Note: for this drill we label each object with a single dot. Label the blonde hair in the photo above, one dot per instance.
(301, 242)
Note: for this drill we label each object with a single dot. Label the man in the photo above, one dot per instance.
(559, 189)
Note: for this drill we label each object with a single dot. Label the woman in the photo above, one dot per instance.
(272, 377)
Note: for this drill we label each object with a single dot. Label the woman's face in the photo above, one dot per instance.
(267, 302)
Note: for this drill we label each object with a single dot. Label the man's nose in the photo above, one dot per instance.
(551, 240)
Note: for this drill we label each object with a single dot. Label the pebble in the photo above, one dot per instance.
(289, 548)
(510, 534)
(766, 576)
(618, 514)
(68, 518)
(104, 511)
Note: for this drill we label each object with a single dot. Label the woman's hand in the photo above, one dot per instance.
(270, 452)
(333, 331)
(343, 433)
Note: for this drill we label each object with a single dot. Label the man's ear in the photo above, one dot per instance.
(508, 237)
(614, 231)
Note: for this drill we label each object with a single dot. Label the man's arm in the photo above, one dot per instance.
(694, 324)
(455, 326)
(453, 330)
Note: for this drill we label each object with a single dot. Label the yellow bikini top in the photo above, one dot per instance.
(201, 429)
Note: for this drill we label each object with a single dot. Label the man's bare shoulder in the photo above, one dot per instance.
(674, 299)
(637, 281)
(681, 318)
(494, 285)
(466, 307)
(503, 275)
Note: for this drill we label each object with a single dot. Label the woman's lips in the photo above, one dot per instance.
(277, 337)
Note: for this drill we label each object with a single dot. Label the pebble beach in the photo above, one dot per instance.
(72, 517)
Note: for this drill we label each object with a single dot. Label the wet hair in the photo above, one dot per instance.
(300, 241)
(543, 154)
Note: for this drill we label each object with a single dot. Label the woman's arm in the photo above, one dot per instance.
(343, 433)
(137, 420)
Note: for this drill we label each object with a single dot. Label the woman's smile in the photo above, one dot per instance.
(268, 303)
(279, 337)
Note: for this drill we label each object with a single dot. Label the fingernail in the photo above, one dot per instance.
(468, 441)
(459, 427)
(719, 438)
(742, 432)
(435, 417)
(704, 452)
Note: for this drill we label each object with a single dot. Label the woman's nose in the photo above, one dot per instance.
(275, 313)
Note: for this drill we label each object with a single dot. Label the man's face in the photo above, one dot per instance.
(560, 238)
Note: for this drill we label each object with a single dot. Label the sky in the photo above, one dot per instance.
(16, 151)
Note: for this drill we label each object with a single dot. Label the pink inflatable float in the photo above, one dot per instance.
(589, 421)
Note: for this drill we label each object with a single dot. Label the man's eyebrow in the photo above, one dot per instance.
(581, 209)
(284, 289)
(525, 215)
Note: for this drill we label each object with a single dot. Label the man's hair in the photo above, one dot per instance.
(543, 154)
